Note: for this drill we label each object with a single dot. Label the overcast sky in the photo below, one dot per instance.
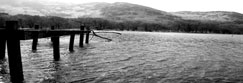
(165, 5)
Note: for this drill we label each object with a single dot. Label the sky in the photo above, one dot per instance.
(164, 5)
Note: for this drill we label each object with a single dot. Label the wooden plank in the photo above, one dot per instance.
(29, 34)
(25, 34)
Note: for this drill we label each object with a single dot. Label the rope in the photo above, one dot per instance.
(108, 39)
(110, 32)
(91, 37)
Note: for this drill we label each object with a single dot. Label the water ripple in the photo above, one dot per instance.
(136, 57)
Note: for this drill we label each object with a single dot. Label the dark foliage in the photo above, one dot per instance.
(191, 26)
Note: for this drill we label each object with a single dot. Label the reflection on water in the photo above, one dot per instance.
(136, 57)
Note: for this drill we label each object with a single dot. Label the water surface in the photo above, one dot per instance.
(136, 57)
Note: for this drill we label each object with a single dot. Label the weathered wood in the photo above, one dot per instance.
(52, 28)
(56, 50)
(81, 39)
(2, 48)
(12, 36)
(14, 53)
(28, 34)
(25, 34)
(2, 43)
(72, 37)
(87, 35)
(35, 39)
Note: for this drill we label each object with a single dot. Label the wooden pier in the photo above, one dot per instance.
(12, 34)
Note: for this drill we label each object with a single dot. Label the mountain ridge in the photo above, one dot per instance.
(133, 12)
(223, 16)
(120, 11)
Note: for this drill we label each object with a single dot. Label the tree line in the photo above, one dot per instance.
(190, 26)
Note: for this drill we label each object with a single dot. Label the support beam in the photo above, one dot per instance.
(14, 52)
(72, 37)
(2, 48)
(52, 28)
(87, 35)
(81, 39)
(28, 34)
(56, 49)
(35, 39)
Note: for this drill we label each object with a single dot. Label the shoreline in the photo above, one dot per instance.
(163, 32)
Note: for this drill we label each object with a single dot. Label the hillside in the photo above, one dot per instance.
(60, 10)
(122, 16)
(221, 16)
(112, 11)
(132, 12)
(119, 12)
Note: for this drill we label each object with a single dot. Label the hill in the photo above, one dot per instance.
(119, 11)
(122, 16)
(221, 16)
(133, 12)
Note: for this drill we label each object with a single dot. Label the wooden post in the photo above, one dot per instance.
(14, 52)
(87, 35)
(2, 43)
(71, 42)
(52, 28)
(2, 48)
(56, 50)
(81, 39)
(35, 39)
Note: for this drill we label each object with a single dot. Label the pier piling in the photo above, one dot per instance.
(35, 39)
(87, 35)
(72, 37)
(52, 28)
(14, 52)
(2, 48)
(56, 50)
(11, 35)
(81, 39)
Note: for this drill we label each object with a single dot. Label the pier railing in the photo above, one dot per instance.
(12, 34)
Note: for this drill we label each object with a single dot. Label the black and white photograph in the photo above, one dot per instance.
(121, 41)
